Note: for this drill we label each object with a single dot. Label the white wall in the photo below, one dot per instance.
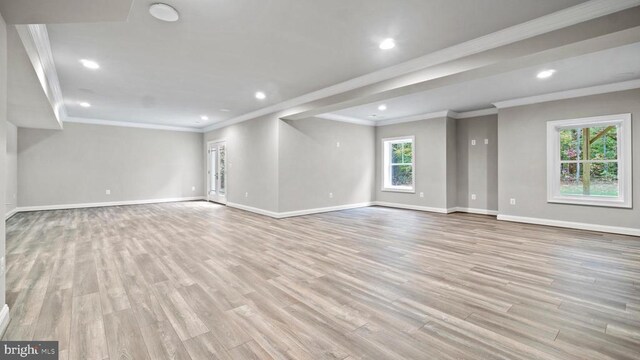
(76, 165)
(431, 137)
(252, 162)
(522, 159)
(3, 124)
(312, 165)
(11, 176)
(477, 168)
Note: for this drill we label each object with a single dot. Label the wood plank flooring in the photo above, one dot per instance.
(195, 280)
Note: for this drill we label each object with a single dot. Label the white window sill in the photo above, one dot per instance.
(590, 201)
(400, 190)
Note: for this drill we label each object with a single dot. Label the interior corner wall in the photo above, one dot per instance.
(477, 165)
(11, 193)
(252, 154)
(522, 156)
(452, 161)
(318, 157)
(3, 124)
(431, 163)
(78, 164)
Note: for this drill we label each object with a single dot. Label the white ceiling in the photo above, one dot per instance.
(221, 52)
(604, 67)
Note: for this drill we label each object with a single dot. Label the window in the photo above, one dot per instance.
(399, 164)
(589, 161)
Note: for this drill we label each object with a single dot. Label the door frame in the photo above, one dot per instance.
(208, 170)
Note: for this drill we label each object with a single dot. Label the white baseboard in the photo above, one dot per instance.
(11, 213)
(572, 225)
(414, 207)
(103, 204)
(323, 210)
(477, 211)
(287, 214)
(4, 319)
(253, 209)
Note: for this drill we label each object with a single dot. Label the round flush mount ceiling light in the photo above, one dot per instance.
(90, 64)
(387, 44)
(84, 104)
(260, 95)
(204, 117)
(545, 74)
(164, 12)
(382, 107)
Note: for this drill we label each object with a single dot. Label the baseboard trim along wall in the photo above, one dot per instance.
(477, 211)
(571, 225)
(11, 213)
(288, 214)
(4, 319)
(414, 207)
(103, 204)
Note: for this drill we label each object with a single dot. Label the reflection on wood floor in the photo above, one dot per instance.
(195, 280)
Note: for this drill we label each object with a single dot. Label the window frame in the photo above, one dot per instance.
(386, 164)
(624, 153)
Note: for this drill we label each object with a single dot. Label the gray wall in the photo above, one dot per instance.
(477, 168)
(452, 161)
(522, 156)
(3, 124)
(252, 153)
(78, 164)
(311, 165)
(431, 162)
(11, 176)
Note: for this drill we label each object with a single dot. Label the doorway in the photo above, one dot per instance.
(217, 172)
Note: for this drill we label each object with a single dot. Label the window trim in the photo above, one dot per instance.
(625, 171)
(385, 168)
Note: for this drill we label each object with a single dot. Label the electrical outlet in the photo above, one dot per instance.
(473, 196)
(486, 141)
(330, 195)
(107, 192)
(193, 188)
(421, 194)
(473, 142)
(246, 194)
(512, 201)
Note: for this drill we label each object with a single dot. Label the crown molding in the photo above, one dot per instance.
(586, 11)
(412, 118)
(475, 113)
(35, 39)
(131, 124)
(346, 119)
(570, 94)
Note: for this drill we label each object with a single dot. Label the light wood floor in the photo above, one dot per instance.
(201, 281)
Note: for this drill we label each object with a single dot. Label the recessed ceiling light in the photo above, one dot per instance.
(387, 44)
(545, 74)
(225, 110)
(382, 107)
(164, 12)
(260, 95)
(85, 104)
(204, 117)
(90, 64)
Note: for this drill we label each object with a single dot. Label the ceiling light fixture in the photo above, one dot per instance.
(90, 64)
(382, 107)
(260, 95)
(545, 74)
(387, 44)
(85, 104)
(204, 117)
(164, 12)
